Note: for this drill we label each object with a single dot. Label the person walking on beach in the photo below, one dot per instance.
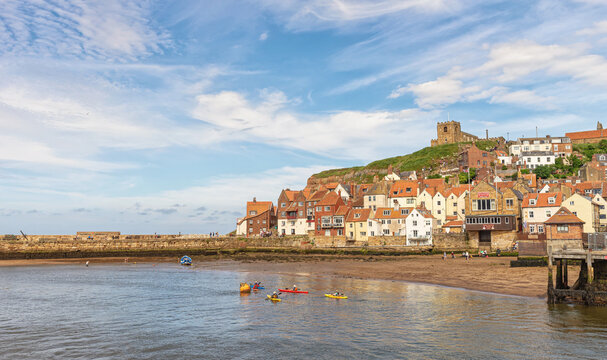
(444, 255)
(452, 255)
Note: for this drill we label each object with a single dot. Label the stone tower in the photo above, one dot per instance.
(599, 126)
(450, 132)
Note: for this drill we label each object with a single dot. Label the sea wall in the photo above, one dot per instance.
(111, 244)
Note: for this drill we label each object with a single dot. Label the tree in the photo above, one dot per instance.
(524, 171)
(543, 171)
(504, 167)
(434, 176)
(465, 177)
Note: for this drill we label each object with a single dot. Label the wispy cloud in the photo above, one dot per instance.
(110, 29)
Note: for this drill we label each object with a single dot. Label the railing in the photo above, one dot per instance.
(326, 225)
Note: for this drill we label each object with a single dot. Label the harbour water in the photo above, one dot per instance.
(165, 311)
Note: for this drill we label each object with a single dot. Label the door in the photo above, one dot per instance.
(484, 236)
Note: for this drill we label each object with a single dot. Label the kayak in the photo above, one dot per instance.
(274, 299)
(292, 291)
(335, 297)
(257, 288)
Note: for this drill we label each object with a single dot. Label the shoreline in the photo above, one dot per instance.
(492, 275)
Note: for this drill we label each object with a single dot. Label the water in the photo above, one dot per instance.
(166, 311)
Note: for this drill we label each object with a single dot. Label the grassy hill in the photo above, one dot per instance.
(428, 157)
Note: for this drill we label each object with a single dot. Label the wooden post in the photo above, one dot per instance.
(559, 274)
(550, 282)
(590, 268)
(565, 275)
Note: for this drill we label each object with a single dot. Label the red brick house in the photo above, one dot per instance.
(330, 215)
(260, 218)
(564, 231)
(473, 157)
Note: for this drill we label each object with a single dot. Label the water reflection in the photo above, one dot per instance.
(126, 311)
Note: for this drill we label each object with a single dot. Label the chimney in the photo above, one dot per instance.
(487, 134)
(389, 169)
(254, 199)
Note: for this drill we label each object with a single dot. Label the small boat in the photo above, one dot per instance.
(257, 288)
(245, 288)
(335, 297)
(186, 261)
(274, 299)
(292, 291)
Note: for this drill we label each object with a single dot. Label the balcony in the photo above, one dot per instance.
(490, 222)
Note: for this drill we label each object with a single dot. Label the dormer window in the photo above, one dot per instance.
(252, 212)
(551, 200)
(404, 212)
(386, 212)
(356, 216)
(408, 190)
(531, 201)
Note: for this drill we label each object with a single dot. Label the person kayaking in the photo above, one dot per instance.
(337, 293)
(294, 287)
(274, 295)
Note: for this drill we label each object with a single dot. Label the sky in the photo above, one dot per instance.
(167, 116)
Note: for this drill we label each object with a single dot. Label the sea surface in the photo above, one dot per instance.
(165, 311)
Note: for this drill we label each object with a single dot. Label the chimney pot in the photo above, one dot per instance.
(254, 199)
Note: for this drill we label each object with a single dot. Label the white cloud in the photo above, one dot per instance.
(263, 36)
(111, 29)
(524, 98)
(442, 91)
(270, 121)
(598, 28)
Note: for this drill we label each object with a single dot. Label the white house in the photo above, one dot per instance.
(503, 158)
(533, 159)
(241, 227)
(537, 208)
(419, 226)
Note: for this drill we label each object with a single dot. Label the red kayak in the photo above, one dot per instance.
(293, 291)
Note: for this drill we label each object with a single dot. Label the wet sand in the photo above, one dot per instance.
(492, 274)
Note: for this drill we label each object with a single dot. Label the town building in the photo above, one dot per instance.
(564, 230)
(588, 137)
(473, 157)
(595, 169)
(293, 213)
(330, 215)
(357, 228)
(403, 193)
(492, 216)
(420, 225)
(537, 208)
(533, 159)
(559, 146)
(584, 208)
(391, 221)
(377, 196)
(503, 158)
(260, 219)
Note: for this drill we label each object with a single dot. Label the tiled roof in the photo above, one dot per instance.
(541, 200)
(318, 195)
(399, 189)
(591, 134)
(564, 216)
(331, 186)
(360, 202)
(425, 213)
(330, 198)
(343, 210)
(391, 213)
(291, 194)
(454, 223)
(363, 215)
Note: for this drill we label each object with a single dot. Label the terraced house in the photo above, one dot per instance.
(260, 219)
(390, 221)
(330, 215)
(403, 193)
(537, 208)
(357, 224)
(292, 213)
(420, 225)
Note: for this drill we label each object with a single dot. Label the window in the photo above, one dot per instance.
(372, 233)
(283, 204)
(300, 212)
(351, 225)
(373, 197)
(386, 231)
(572, 202)
(374, 207)
(386, 212)
(562, 228)
(548, 160)
(292, 231)
(383, 221)
(338, 220)
(250, 230)
(427, 222)
(438, 212)
(602, 216)
(507, 220)
(531, 213)
(363, 233)
(414, 233)
(445, 130)
(483, 204)
(327, 232)
(370, 223)
(360, 225)
(282, 213)
(389, 221)
(370, 198)
(410, 201)
(427, 233)
(531, 201)
(404, 212)
(438, 202)
(531, 228)
(463, 211)
(356, 216)
(283, 223)
(327, 208)
(540, 229)
(264, 221)
(551, 200)
(414, 222)
(548, 213)
(319, 208)
(252, 212)
(509, 203)
(539, 160)
(250, 222)
(484, 154)
(408, 189)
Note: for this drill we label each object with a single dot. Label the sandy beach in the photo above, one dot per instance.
(492, 274)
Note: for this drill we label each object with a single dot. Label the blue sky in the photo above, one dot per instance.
(166, 116)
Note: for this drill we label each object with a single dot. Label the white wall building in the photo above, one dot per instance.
(419, 226)
(533, 159)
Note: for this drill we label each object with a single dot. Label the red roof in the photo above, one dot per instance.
(391, 213)
(541, 200)
(343, 210)
(404, 188)
(363, 215)
(332, 198)
(591, 134)
(564, 216)
(454, 223)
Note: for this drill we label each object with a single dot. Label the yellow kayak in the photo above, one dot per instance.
(274, 299)
(335, 297)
